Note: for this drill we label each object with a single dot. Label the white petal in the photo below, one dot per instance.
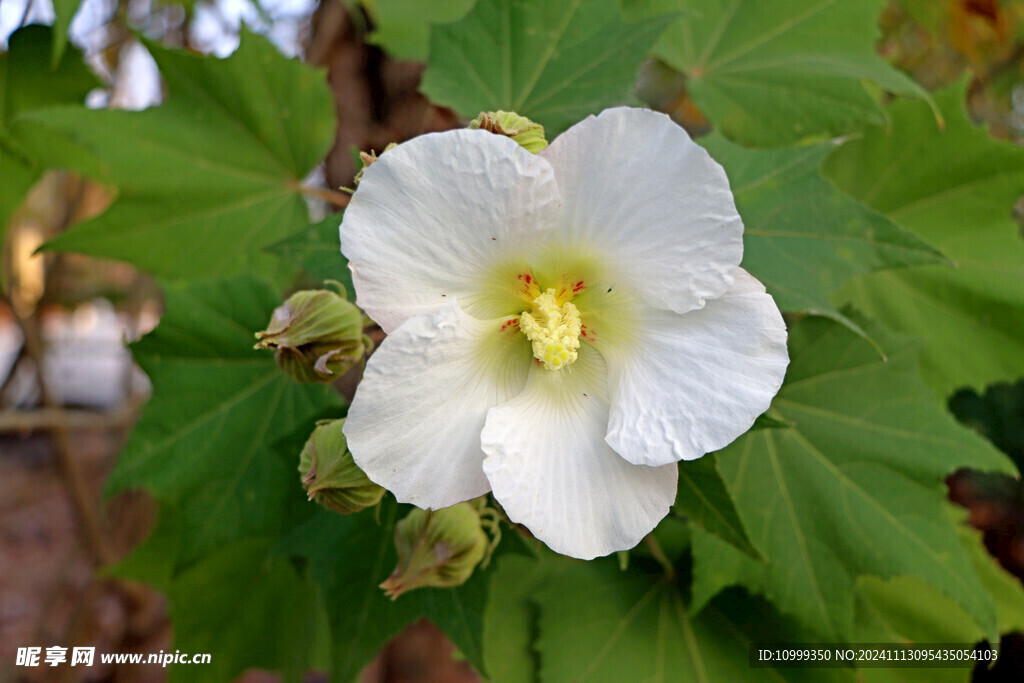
(414, 425)
(690, 384)
(433, 217)
(552, 471)
(637, 188)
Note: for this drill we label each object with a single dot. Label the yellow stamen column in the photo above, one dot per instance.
(553, 330)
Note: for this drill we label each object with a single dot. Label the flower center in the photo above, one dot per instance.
(553, 330)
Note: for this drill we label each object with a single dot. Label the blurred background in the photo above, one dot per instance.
(69, 392)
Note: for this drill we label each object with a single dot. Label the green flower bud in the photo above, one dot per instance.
(528, 134)
(317, 335)
(438, 548)
(331, 476)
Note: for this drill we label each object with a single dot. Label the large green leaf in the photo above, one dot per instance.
(855, 486)
(772, 73)
(899, 609)
(597, 623)
(204, 441)
(554, 61)
(802, 237)
(247, 610)
(703, 498)
(211, 177)
(642, 9)
(1005, 588)
(402, 27)
(317, 250)
(510, 627)
(909, 610)
(27, 81)
(27, 84)
(350, 555)
(718, 565)
(954, 188)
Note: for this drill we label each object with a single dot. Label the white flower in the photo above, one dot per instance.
(563, 327)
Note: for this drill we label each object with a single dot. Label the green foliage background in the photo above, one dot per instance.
(891, 248)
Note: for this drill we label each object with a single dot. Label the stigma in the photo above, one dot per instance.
(553, 330)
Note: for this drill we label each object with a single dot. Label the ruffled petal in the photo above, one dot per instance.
(446, 215)
(552, 471)
(414, 425)
(639, 191)
(686, 385)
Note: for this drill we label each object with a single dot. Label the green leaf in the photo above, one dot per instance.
(246, 610)
(855, 486)
(553, 61)
(155, 560)
(642, 9)
(349, 556)
(969, 338)
(204, 441)
(998, 415)
(766, 421)
(1005, 588)
(317, 250)
(64, 11)
(402, 27)
(908, 609)
(597, 623)
(803, 238)
(703, 498)
(510, 626)
(211, 177)
(27, 84)
(769, 74)
(954, 188)
(18, 179)
(27, 81)
(718, 565)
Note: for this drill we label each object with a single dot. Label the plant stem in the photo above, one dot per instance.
(60, 432)
(652, 544)
(339, 199)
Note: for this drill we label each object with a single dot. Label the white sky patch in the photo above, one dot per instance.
(138, 83)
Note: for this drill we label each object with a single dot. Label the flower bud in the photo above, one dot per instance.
(528, 134)
(317, 335)
(331, 476)
(438, 548)
(368, 159)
